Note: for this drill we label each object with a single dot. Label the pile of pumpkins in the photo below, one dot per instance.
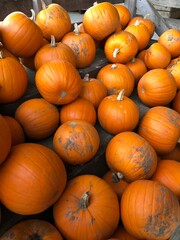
(138, 198)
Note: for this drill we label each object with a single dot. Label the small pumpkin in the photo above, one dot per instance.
(54, 20)
(176, 102)
(122, 234)
(38, 117)
(174, 69)
(116, 77)
(161, 211)
(124, 14)
(174, 154)
(131, 155)
(121, 47)
(76, 141)
(160, 126)
(32, 229)
(58, 82)
(157, 87)
(31, 179)
(87, 199)
(118, 113)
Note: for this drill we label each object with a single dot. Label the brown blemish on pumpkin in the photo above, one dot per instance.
(63, 94)
(173, 119)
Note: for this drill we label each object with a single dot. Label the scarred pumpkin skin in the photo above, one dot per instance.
(150, 210)
(32, 229)
(31, 179)
(89, 200)
(176, 102)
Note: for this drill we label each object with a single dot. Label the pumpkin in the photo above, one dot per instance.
(131, 155)
(38, 117)
(171, 40)
(141, 54)
(20, 34)
(174, 154)
(31, 179)
(83, 46)
(54, 20)
(17, 132)
(149, 210)
(121, 47)
(167, 173)
(80, 108)
(7, 53)
(176, 102)
(138, 68)
(157, 56)
(116, 181)
(32, 229)
(122, 234)
(116, 77)
(118, 113)
(106, 19)
(58, 82)
(81, 211)
(93, 90)
(141, 32)
(13, 80)
(124, 14)
(160, 126)
(76, 141)
(53, 51)
(157, 87)
(174, 69)
(5, 139)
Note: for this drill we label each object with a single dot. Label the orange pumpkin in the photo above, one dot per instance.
(76, 141)
(160, 126)
(116, 77)
(38, 117)
(157, 56)
(157, 87)
(17, 132)
(83, 46)
(141, 54)
(118, 113)
(167, 173)
(32, 229)
(53, 51)
(58, 82)
(87, 199)
(176, 102)
(21, 35)
(171, 40)
(121, 47)
(31, 179)
(124, 14)
(101, 20)
(93, 90)
(5, 139)
(122, 234)
(174, 69)
(7, 53)
(80, 108)
(54, 20)
(174, 154)
(13, 80)
(149, 210)
(131, 155)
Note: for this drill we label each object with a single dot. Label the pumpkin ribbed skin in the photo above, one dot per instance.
(149, 210)
(124, 14)
(131, 155)
(174, 154)
(87, 199)
(32, 229)
(174, 69)
(122, 234)
(31, 179)
(176, 102)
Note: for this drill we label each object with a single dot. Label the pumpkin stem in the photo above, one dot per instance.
(84, 200)
(44, 6)
(76, 29)
(1, 55)
(120, 96)
(113, 66)
(133, 60)
(178, 140)
(95, 3)
(116, 51)
(53, 41)
(116, 177)
(137, 22)
(147, 15)
(33, 16)
(86, 77)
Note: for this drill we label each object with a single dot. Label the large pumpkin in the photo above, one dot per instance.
(160, 126)
(58, 82)
(31, 179)
(5, 139)
(149, 210)
(76, 141)
(88, 209)
(21, 35)
(32, 229)
(131, 155)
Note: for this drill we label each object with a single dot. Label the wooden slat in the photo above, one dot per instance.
(131, 5)
(167, 3)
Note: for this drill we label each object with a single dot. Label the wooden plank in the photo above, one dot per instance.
(131, 5)
(167, 3)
